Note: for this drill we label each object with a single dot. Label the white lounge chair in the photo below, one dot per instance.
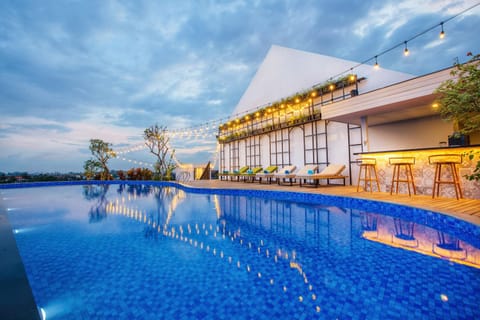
(290, 177)
(283, 173)
(331, 172)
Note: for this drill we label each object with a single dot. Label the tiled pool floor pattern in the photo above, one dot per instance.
(122, 267)
(132, 278)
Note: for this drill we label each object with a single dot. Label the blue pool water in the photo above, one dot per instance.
(153, 252)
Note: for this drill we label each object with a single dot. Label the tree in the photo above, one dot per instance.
(156, 139)
(147, 174)
(459, 99)
(460, 102)
(90, 168)
(121, 175)
(101, 152)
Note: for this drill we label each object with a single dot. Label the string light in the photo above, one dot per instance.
(405, 51)
(210, 128)
(412, 38)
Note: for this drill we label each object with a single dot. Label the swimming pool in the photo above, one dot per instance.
(164, 252)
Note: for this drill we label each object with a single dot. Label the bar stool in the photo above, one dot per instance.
(450, 161)
(406, 163)
(369, 168)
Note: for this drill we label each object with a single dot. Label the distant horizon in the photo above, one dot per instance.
(76, 71)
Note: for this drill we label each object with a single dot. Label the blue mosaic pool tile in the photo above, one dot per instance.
(132, 276)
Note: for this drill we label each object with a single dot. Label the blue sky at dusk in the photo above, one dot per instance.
(73, 70)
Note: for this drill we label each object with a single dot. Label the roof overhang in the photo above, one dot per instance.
(405, 100)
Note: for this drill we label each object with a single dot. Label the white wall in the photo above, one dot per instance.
(264, 151)
(419, 133)
(296, 147)
(337, 138)
(241, 154)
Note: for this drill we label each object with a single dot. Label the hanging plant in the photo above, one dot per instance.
(303, 95)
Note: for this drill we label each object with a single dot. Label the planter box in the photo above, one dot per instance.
(461, 140)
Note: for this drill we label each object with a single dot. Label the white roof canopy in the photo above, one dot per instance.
(286, 71)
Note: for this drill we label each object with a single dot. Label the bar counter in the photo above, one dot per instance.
(424, 172)
(454, 149)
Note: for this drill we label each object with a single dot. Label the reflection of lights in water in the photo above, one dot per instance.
(181, 235)
(43, 314)
(22, 230)
(61, 307)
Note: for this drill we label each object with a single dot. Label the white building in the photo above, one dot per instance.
(303, 108)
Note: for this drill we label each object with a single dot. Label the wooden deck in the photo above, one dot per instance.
(465, 209)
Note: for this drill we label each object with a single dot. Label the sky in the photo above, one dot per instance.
(75, 70)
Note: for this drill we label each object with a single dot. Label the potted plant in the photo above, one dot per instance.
(459, 101)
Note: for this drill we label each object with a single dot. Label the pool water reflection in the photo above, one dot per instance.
(148, 252)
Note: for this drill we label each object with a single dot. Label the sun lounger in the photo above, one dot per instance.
(285, 173)
(234, 174)
(309, 169)
(249, 175)
(238, 174)
(224, 174)
(331, 172)
(266, 174)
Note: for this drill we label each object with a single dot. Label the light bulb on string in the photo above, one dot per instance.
(405, 51)
(376, 65)
(442, 33)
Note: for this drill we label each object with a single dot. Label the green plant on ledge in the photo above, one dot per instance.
(476, 171)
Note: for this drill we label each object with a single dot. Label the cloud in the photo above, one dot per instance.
(30, 140)
(71, 71)
(393, 15)
(214, 102)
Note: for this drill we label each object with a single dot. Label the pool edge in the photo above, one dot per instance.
(16, 296)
